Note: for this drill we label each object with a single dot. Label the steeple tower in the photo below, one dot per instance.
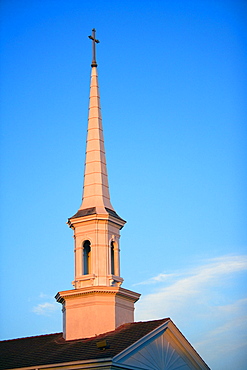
(96, 190)
(98, 303)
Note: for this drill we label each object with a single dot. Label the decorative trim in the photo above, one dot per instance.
(61, 297)
(76, 365)
(173, 336)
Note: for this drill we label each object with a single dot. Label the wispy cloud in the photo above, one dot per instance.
(45, 296)
(195, 283)
(47, 307)
(226, 335)
(157, 279)
(204, 302)
(205, 271)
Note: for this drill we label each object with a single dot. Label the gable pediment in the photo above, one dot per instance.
(163, 349)
(156, 355)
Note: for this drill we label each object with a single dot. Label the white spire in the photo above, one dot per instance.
(96, 189)
(98, 303)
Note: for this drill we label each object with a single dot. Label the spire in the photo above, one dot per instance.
(98, 303)
(96, 189)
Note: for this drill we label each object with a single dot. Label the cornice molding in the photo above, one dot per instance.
(61, 297)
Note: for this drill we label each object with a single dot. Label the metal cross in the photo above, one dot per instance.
(94, 64)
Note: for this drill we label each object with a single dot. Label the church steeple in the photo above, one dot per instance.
(98, 303)
(96, 189)
(93, 266)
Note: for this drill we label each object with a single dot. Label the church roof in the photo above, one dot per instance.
(53, 349)
(92, 211)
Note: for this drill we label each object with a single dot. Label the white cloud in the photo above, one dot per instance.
(157, 279)
(237, 307)
(43, 295)
(45, 308)
(209, 270)
(227, 336)
(206, 304)
(197, 283)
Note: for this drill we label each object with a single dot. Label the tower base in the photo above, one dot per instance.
(95, 310)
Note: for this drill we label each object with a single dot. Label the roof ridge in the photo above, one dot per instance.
(129, 324)
(119, 328)
(164, 319)
(31, 336)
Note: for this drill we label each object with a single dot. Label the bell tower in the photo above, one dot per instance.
(97, 303)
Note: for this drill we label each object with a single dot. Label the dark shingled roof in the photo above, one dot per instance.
(92, 211)
(53, 349)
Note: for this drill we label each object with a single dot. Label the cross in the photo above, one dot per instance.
(94, 64)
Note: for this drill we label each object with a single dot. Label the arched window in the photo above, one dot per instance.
(112, 259)
(86, 257)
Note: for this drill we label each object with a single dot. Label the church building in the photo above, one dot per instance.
(99, 331)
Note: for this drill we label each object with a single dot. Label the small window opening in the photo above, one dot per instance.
(112, 259)
(86, 257)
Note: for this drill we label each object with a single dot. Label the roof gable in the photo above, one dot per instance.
(164, 348)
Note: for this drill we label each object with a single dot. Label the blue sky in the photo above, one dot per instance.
(173, 80)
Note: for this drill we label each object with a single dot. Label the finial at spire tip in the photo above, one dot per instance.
(94, 40)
